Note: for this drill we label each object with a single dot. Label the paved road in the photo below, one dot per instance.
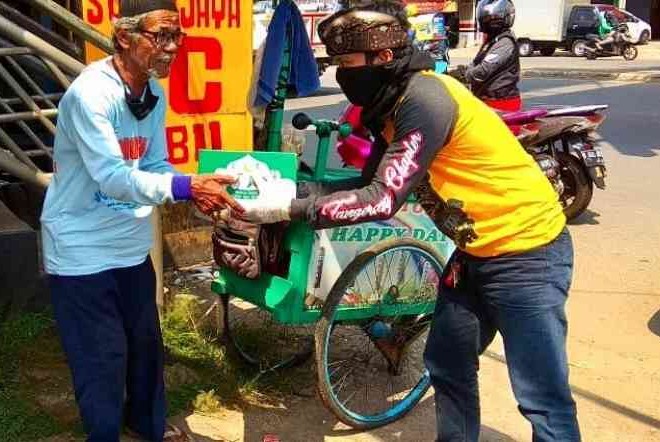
(614, 306)
(632, 127)
(649, 59)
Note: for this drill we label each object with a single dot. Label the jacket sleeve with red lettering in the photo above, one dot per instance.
(423, 124)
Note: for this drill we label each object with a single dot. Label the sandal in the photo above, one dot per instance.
(174, 434)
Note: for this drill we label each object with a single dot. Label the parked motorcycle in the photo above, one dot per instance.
(562, 134)
(564, 144)
(561, 140)
(622, 46)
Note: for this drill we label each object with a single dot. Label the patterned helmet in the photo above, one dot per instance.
(360, 30)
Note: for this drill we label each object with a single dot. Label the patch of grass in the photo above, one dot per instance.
(36, 397)
(20, 420)
(18, 332)
(207, 402)
(192, 340)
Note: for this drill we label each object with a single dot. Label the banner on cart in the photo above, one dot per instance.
(336, 248)
(209, 84)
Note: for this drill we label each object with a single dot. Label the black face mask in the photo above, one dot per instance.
(138, 107)
(363, 84)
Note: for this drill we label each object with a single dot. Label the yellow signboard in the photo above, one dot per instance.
(209, 84)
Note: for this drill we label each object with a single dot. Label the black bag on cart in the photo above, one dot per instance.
(248, 249)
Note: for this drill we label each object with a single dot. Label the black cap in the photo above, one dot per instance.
(131, 8)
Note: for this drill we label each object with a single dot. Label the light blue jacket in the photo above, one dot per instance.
(110, 169)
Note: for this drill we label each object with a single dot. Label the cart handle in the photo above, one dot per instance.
(324, 129)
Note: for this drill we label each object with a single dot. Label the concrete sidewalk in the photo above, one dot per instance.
(564, 65)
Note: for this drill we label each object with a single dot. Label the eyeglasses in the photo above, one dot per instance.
(163, 38)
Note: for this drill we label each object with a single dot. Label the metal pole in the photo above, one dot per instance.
(16, 51)
(37, 153)
(35, 87)
(57, 73)
(14, 167)
(36, 98)
(157, 256)
(68, 8)
(73, 23)
(275, 110)
(35, 139)
(32, 26)
(476, 25)
(21, 51)
(16, 150)
(5, 75)
(18, 116)
(25, 38)
(324, 134)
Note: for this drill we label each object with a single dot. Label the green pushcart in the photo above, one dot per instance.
(359, 299)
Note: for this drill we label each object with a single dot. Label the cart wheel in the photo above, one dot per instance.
(371, 371)
(260, 341)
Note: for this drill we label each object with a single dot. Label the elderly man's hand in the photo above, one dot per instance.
(209, 192)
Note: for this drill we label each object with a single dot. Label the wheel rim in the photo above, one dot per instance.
(262, 342)
(629, 52)
(580, 49)
(363, 383)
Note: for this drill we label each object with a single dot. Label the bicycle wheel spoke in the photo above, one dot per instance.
(342, 381)
(389, 266)
(350, 398)
(337, 369)
(373, 365)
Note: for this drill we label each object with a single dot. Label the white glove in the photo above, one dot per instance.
(269, 212)
(274, 203)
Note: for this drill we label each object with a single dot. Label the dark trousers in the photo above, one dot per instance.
(522, 297)
(109, 327)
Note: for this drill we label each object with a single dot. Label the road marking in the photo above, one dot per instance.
(311, 102)
(584, 87)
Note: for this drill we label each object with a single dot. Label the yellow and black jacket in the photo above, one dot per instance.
(468, 170)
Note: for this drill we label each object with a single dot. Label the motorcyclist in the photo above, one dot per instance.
(606, 29)
(495, 72)
(512, 269)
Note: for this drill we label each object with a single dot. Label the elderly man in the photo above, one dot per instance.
(513, 266)
(111, 168)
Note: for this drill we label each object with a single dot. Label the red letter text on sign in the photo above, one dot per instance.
(177, 144)
(113, 6)
(187, 18)
(179, 100)
(235, 13)
(95, 17)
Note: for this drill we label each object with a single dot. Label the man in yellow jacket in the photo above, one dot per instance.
(513, 266)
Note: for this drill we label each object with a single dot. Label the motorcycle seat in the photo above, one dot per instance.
(523, 117)
(577, 110)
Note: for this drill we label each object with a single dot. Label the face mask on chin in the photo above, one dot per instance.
(141, 107)
(362, 84)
